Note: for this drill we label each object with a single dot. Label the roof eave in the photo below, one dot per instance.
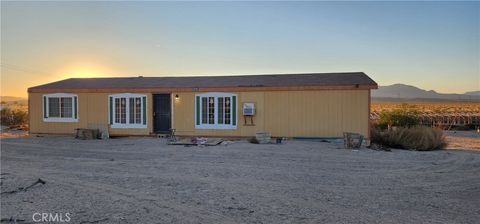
(206, 89)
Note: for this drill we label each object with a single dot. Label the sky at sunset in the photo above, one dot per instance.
(431, 45)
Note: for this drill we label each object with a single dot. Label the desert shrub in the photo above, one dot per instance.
(418, 138)
(13, 118)
(404, 117)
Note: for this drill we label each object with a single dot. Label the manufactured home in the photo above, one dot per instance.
(286, 105)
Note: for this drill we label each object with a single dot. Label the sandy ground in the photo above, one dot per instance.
(6, 132)
(142, 180)
(463, 140)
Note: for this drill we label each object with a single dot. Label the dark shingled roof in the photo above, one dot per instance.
(273, 80)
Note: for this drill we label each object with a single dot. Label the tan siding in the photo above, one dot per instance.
(258, 120)
(184, 109)
(288, 113)
(317, 113)
(276, 113)
(92, 113)
(312, 113)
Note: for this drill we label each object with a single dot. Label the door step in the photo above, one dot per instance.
(162, 135)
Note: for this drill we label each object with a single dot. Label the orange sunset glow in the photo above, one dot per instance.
(46, 42)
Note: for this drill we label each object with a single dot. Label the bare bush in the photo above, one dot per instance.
(14, 118)
(418, 138)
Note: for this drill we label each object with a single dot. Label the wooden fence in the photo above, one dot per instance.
(443, 119)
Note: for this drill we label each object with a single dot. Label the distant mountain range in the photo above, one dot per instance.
(473, 93)
(402, 91)
(11, 98)
(395, 92)
(6, 101)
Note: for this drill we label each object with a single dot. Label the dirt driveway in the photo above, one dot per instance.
(141, 180)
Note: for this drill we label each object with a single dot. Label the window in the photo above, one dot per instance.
(224, 110)
(60, 107)
(216, 111)
(128, 111)
(135, 110)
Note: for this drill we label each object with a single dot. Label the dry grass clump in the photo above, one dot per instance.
(418, 138)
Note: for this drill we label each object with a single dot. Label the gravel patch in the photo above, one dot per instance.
(143, 180)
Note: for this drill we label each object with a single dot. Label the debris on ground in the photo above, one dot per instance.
(12, 220)
(184, 141)
(266, 138)
(199, 141)
(261, 140)
(104, 134)
(253, 140)
(227, 142)
(263, 137)
(280, 140)
(39, 181)
(352, 140)
(84, 134)
(380, 147)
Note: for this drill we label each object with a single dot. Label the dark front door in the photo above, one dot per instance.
(162, 113)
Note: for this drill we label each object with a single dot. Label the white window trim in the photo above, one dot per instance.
(127, 111)
(215, 125)
(60, 119)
